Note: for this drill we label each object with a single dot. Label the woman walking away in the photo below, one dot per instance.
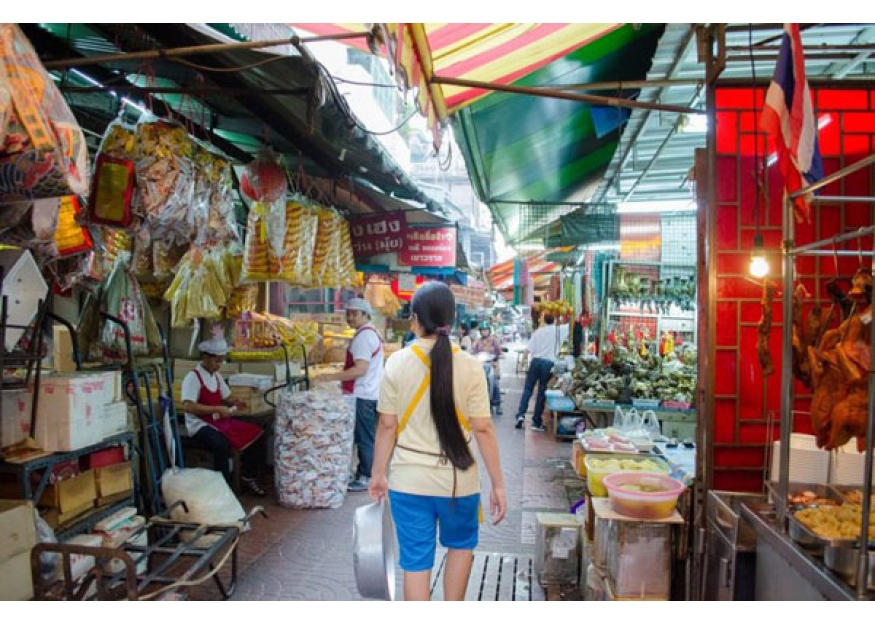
(433, 398)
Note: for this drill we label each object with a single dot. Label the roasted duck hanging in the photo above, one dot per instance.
(764, 329)
(840, 373)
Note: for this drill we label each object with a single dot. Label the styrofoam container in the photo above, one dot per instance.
(70, 411)
(847, 466)
(806, 465)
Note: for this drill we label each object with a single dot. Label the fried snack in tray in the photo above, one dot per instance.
(835, 522)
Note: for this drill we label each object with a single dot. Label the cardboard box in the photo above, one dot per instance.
(15, 416)
(252, 397)
(62, 350)
(17, 578)
(105, 457)
(17, 528)
(57, 519)
(114, 479)
(69, 411)
(114, 419)
(558, 547)
(71, 495)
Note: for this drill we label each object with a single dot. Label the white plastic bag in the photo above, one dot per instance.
(207, 495)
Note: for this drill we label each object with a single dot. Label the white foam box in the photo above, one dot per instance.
(114, 418)
(558, 545)
(17, 528)
(17, 578)
(15, 416)
(847, 466)
(639, 560)
(807, 464)
(70, 411)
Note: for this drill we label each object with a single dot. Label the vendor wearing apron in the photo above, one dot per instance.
(209, 409)
(360, 380)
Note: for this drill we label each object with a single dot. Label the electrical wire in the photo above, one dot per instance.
(756, 134)
(227, 70)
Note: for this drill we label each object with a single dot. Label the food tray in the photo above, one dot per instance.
(595, 474)
(842, 560)
(647, 404)
(822, 491)
(806, 537)
(597, 403)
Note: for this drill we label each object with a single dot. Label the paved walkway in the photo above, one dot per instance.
(307, 554)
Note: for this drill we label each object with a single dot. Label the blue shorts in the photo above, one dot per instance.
(417, 518)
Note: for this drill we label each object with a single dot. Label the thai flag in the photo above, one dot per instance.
(789, 119)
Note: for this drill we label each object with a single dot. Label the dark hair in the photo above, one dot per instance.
(435, 308)
(548, 318)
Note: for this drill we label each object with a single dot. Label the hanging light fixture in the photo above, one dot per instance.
(759, 266)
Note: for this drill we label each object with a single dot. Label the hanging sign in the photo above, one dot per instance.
(377, 234)
(429, 247)
(472, 297)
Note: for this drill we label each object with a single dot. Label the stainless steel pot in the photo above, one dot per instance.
(843, 561)
(374, 551)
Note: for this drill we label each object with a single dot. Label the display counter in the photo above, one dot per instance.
(784, 571)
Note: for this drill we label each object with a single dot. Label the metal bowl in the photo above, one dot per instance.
(373, 554)
(842, 560)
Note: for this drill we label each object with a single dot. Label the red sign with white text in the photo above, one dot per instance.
(429, 247)
(377, 234)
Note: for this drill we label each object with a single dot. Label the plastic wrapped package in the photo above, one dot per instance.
(326, 255)
(349, 277)
(234, 262)
(243, 298)
(43, 152)
(300, 238)
(167, 253)
(222, 218)
(122, 298)
(112, 187)
(165, 176)
(207, 496)
(264, 242)
(142, 263)
(313, 447)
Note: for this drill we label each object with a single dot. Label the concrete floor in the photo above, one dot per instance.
(307, 554)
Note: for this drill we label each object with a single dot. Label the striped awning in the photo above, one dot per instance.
(493, 53)
(541, 270)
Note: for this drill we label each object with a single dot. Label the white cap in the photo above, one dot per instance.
(357, 303)
(215, 346)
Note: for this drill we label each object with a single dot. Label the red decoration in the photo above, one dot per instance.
(263, 179)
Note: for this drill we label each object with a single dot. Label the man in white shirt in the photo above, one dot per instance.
(543, 348)
(360, 379)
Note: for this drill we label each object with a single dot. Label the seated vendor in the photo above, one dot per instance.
(209, 409)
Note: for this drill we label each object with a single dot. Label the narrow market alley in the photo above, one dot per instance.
(301, 555)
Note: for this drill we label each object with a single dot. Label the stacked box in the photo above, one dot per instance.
(70, 411)
(15, 417)
(558, 547)
(639, 560)
(17, 539)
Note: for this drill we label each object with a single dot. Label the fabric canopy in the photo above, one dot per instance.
(541, 270)
(494, 53)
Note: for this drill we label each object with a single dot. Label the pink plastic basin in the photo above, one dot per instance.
(656, 499)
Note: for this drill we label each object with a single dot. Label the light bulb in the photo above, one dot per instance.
(759, 266)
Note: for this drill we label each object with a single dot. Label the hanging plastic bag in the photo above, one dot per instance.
(43, 152)
(300, 239)
(121, 298)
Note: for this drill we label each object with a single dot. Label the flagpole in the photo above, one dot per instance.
(869, 160)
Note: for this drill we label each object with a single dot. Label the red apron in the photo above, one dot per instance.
(348, 386)
(241, 434)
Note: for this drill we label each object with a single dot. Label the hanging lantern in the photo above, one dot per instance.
(263, 179)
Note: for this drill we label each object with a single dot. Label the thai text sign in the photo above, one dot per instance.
(429, 247)
(471, 297)
(377, 234)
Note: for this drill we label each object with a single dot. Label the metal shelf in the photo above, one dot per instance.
(92, 518)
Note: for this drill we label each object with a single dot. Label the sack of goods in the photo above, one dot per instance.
(313, 448)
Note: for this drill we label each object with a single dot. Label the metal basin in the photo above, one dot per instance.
(373, 554)
(842, 560)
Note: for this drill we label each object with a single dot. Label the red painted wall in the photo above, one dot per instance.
(747, 406)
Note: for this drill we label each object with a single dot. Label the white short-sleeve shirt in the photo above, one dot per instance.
(191, 389)
(412, 471)
(362, 347)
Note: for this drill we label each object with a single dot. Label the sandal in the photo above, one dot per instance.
(252, 486)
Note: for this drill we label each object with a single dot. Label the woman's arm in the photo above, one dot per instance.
(484, 432)
(383, 446)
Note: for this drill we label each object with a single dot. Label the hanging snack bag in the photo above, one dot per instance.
(300, 239)
(43, 152)
(112, 186)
